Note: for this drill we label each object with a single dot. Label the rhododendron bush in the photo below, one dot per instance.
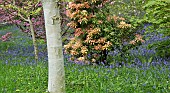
(97, 31)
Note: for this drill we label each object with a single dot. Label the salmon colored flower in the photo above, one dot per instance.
(101, 40)
(95, 55)
(73, 52)
(86, 5)
(109, 18)
(132, 42)
(72, 5)
(81, 59)
(72, 24)
(79, 6)
(93, 60)
(138, 38)
(92, 42)
(84, 50)
(78, 32)
(77, 45)
(67, 46)
(107, 45)
(121, 18)
(98, 47)
(100, 21)
(115, 18)
(123, 25)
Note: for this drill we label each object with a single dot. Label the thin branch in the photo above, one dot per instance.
(22, 17)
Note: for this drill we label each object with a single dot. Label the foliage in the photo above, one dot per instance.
(23, 78)
(130, 9)
(97, 31)
(162, 48)
(157, 13)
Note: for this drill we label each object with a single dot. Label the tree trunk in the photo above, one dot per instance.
(33, 39)
(56, 76)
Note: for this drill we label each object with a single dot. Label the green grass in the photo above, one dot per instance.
(85, 79)
(23, 79)
(17, 76)
(88, 79)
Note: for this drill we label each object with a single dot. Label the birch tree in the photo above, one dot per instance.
(56, 81)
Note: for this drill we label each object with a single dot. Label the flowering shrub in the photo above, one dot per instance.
(11, 13)
(96, 31)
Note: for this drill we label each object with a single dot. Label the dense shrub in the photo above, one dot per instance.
(97, 31)
(162, 48)
(157, 13)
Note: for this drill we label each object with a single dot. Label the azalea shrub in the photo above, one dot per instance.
(98, 32)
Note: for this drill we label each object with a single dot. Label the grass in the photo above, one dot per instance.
(19, 73)
(23, 79)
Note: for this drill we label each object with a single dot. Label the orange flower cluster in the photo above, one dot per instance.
(72, 14)
(78, 11)
(101, 40)
(124, 25)
(84, 50)
(77, 45)
(94, 1)
(72, 24)
(84, 16)
(74, 44)
(78, 32)
(138, 38)
(72, 5)
(103, 47)
(73, 52)
(81, 59)
(90, 33)
(94, 31)
(115, 18)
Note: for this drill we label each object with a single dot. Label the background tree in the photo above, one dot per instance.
(56, 80)
(23, 12)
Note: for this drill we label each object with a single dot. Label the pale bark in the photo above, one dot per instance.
(33, 39)
(56, 76)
